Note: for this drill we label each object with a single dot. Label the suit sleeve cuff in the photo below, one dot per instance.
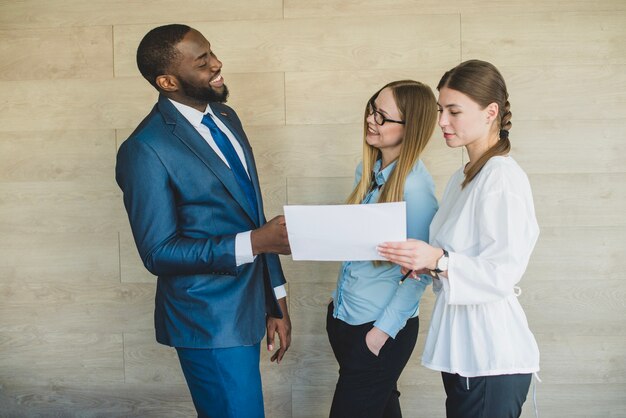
(243, 248)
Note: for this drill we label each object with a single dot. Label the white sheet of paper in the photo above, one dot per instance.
(343, 232)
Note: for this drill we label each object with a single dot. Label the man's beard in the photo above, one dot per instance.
(204, 94)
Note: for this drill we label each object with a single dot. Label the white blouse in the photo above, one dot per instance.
(478, 327)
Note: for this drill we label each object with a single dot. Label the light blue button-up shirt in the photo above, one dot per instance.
(366, 293)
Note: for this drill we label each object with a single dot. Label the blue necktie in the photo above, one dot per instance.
(224, 144)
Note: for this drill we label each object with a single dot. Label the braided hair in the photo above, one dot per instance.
(483, 83)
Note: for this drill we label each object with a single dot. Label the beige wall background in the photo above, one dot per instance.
(76, 333)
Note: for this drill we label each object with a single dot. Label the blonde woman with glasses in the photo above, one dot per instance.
(372, 322)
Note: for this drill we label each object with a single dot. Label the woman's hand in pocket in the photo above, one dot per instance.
(375, 339)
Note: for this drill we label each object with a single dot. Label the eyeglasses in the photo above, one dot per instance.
(379, 118)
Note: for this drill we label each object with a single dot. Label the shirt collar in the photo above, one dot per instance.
(194, 116)
(381, 176)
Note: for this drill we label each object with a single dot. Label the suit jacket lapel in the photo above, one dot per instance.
(185, 132)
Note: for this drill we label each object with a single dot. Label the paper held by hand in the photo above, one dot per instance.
(343, 232)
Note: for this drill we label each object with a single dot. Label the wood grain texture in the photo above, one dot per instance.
(310, 271)
(325, 8)
(42, 13)
(124, 102)
(599, 359)
(565, 146)
(309, 301)
(80, 258)
(59, 207)
(577, 399)
(95, 400)
(591, 307)
(582, 92)
(61, 358)
(308, 104)
(306, 150)
(305, 45)
(318, 190)
(565, 254)
(64, 307)
(60, 53)
(146, 361)
(61, 155)
(567, 38)
(580, 199)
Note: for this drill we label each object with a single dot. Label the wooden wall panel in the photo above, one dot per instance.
(590, 307)
(61, 358)
(596, 359)
(313, 45)
(579, 199)
(56, 207)
(318, 190)
(79, 258)
(45, 54)
(548, 92)
(325, 8)
(310, 271)
(124, 102)
(564, 146)
(575, 247)
(35, 13)
(148, 362)
(306, 150)
(345, 102)
(578, 400)
(61, 155)
(557, 38)
(97, 400)
(64, 307)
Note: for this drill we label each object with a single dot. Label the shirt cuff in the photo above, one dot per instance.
(280, 291)
(391, 324)
(243, 248)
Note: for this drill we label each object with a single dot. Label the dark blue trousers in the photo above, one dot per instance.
(224, 382)
(485, 396)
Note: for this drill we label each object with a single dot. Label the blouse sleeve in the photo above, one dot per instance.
(421, 205)
(507, 233)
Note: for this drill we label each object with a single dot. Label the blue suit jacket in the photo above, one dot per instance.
(185, 209)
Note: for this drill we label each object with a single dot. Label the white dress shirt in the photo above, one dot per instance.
(478, 327)
(243, 242)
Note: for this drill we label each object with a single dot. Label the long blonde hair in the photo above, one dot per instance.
(418, 108)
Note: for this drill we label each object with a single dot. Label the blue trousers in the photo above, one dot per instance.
(224, 382)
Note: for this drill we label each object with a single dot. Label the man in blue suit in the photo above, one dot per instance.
(193, 200)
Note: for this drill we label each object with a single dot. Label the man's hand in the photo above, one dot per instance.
(283, 328)
(375, 339)
(271, 237)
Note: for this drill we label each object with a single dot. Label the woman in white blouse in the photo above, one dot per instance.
(480, 243)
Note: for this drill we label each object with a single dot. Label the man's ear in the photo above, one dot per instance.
(168, 83)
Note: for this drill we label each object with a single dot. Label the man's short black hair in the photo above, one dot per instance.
(157, 51)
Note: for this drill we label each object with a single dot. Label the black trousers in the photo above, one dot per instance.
(367, 385)
(485, 396)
